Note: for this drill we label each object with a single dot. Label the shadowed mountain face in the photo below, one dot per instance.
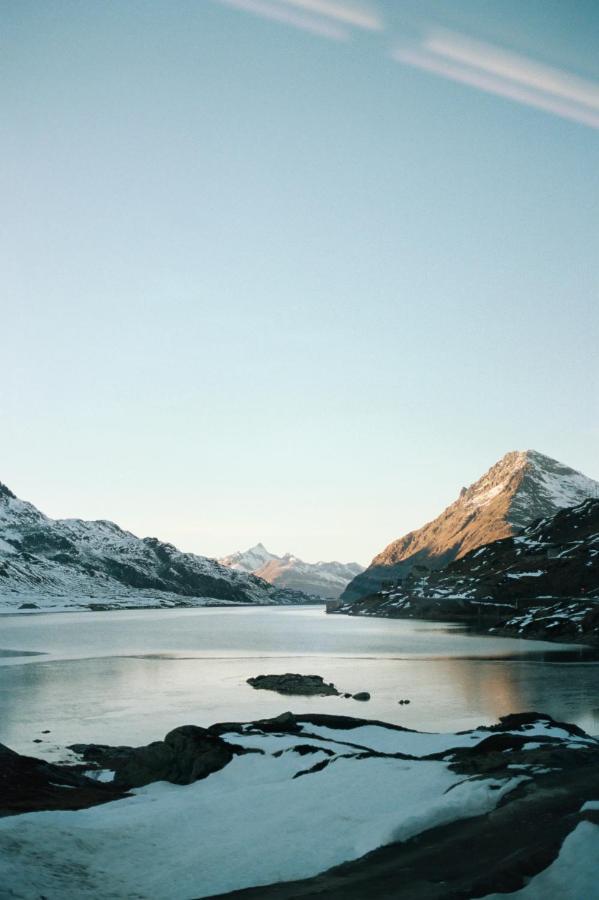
(522, 487)
(64, 562)
(322, 579)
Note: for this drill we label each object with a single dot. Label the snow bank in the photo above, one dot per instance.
(251, 823)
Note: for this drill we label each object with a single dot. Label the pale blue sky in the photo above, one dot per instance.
(262, 285)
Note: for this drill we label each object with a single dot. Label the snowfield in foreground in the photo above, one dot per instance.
(291, 803)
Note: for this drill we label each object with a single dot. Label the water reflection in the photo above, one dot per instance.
(138, 676)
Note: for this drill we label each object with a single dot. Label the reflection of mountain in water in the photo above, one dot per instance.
(133, 696)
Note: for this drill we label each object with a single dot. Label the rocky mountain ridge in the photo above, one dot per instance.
(542, 583)
(324, 579)
(520, 488)
(73, 563)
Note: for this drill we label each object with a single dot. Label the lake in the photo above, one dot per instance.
(130, 676)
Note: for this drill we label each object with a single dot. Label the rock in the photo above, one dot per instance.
(293, 683)
(186, 754)
(402, 702)
(286, 723)
(28, 606)
(362, 695)
(37, 741)
(101, 756)
(28, 784)
(45, 731)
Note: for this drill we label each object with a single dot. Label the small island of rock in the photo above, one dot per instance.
(292, 683)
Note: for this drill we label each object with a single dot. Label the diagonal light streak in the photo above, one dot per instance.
(360, 16)
(494, 84)
(513, 67)
(278, 13)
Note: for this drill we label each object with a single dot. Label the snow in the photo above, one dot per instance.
(71, 563)
(563, 486)
(251, 823)
(325, 579)
(534, 574)
(572, 876)
(385, 740)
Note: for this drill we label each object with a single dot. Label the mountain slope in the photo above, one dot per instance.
(543, 582)
(66, 562)
(521, 487)
(323, 579)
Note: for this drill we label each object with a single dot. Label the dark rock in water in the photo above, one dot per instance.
(28, 606)
(362, 695)
(28, 784)
(45, 731)
(292, 683)
(37, 741)
(402, 702)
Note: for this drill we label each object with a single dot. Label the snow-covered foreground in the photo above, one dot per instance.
(295, 805)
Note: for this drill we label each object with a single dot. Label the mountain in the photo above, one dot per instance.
(523, 486)
(249, 560)
(54, 563)
(323, 579)
(542, 582)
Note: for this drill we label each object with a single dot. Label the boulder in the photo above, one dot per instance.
(186, 754)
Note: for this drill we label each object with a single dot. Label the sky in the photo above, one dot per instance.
(293, 271)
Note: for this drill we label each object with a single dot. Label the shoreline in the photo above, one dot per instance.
(497, 629)
(136, 608)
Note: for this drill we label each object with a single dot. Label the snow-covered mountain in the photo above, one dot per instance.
(523, 486)
(57, 563)
(323, 579)
(249, 560)
(543, 582)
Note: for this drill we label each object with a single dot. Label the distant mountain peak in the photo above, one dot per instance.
(522, 486)
(321, 579)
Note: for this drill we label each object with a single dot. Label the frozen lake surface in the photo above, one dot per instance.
(129, 677)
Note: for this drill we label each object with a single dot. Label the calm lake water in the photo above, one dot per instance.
(129, 677)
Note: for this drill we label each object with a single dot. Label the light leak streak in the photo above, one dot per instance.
(278, 13)
(514, 67)
(493, 84)
(360, 16)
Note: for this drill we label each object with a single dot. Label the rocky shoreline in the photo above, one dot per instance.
(567, 622)
(370, 809)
